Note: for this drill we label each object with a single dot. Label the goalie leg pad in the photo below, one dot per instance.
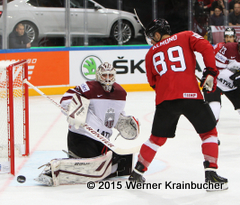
(78, 171)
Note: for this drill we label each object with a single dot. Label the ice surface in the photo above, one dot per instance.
(178, 161)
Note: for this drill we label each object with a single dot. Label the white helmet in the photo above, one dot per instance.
(105, 74)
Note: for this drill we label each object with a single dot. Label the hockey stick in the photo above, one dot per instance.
(135, 12)
(148, 40)
(88, 128)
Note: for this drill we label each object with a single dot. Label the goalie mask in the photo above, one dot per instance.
(105, 74)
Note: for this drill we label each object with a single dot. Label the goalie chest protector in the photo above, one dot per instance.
(105, 107)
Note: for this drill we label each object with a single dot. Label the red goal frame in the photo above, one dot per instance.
(10, 111)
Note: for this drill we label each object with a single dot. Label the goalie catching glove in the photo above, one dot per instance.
(77, 112)
(128, 127)
(209, 79)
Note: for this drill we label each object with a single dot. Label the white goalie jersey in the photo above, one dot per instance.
(104, 108)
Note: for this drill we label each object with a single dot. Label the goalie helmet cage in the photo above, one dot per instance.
(14, 109)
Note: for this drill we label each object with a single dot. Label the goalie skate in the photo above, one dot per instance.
(44, 179)
(46, 176)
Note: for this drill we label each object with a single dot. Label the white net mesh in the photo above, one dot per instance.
(18, 110)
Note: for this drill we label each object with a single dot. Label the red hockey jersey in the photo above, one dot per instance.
(170, 66)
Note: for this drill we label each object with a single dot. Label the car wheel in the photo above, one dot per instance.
(126, 31)
(31, 30)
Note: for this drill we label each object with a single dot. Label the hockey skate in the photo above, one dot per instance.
(46, 176)
(216, 182)
(137, 173)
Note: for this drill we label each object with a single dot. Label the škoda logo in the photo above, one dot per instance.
(89, 66)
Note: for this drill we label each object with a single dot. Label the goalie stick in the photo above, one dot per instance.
(89, 129)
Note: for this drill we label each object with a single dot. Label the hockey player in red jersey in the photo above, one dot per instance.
(229, 37)
(228, 82)
(170, 66)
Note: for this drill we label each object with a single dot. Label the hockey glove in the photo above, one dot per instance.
(236, 79)
(209, 79)
(233, 66)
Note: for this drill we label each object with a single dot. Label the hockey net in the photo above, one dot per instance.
(14, 106)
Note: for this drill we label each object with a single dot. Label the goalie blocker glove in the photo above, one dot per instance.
(77, 112)
(209, 79)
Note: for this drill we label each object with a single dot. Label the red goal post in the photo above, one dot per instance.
(14, 109)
